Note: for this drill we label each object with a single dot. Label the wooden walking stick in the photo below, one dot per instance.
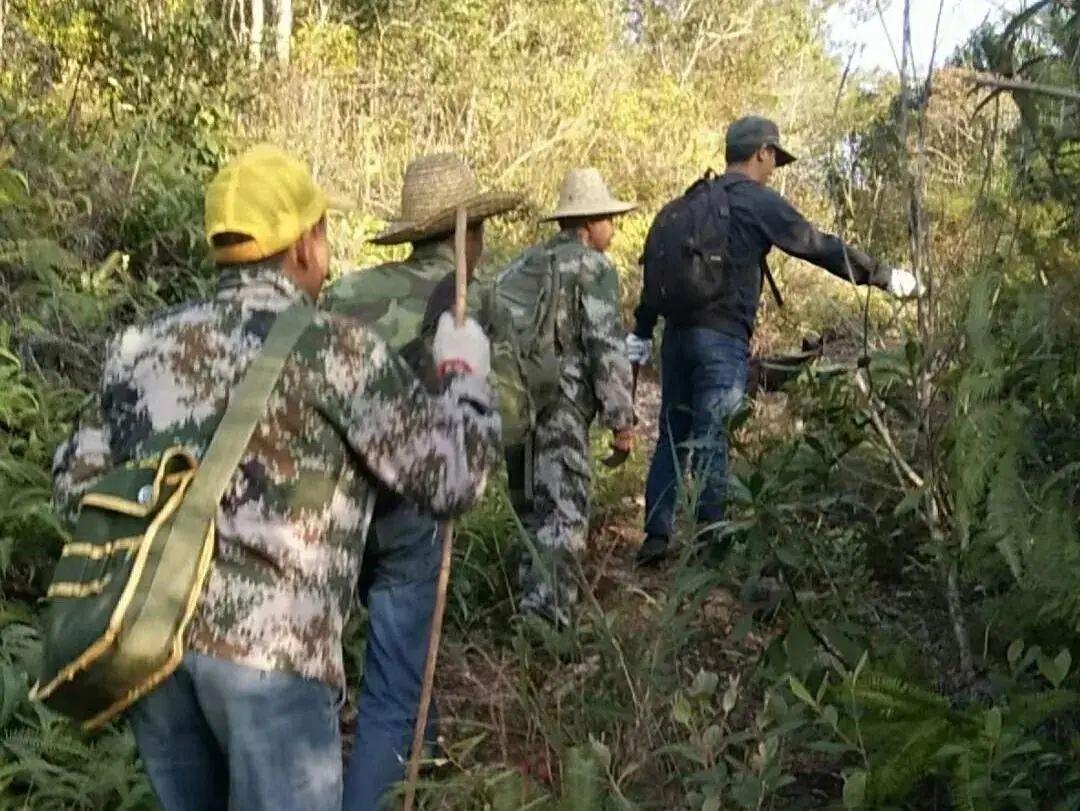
(460, 291)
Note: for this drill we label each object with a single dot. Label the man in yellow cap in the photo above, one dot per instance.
(249, 720)
(402, 560)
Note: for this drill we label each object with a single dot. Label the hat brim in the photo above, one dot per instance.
(490, 204)
(610, 209)
(783, 157)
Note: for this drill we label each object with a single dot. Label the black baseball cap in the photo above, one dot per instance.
(756, 132)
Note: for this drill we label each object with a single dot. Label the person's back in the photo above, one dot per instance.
(391, 297)
(288, 518)
(550, 476)
(588, 339)
(398, 581)
(249, 717)
(705, 350)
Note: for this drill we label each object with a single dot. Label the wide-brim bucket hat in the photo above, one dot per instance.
(435, 186)
(585, 194)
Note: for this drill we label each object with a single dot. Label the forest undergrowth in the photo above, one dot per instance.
(896, 621)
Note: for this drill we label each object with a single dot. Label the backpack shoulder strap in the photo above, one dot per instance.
(772, 282)
(725, 184)
(246, 406)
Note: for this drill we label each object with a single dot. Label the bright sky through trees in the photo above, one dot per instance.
(858, 25)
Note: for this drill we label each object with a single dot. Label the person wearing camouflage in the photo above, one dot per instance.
(550, 476)
(250, 718)
(401, 564)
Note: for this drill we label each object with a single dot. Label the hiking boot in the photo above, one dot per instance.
(654, 550)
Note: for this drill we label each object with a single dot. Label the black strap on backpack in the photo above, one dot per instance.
(772, 282)
(766, 272)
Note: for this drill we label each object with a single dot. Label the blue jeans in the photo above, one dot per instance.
(400, 594)
(218, 735)
(702, 381)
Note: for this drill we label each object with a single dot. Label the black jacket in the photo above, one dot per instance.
(760, 219)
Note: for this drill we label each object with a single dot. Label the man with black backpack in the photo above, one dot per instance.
(705, 262)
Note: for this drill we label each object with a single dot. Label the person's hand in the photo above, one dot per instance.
(463, 348)
(638, 350)
(903, 284)
(622, 440)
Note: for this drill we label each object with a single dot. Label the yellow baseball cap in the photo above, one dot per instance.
(268, 195)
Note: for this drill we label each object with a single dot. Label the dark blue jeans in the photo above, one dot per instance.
(399, 587)
(703, 380)
(217, 735)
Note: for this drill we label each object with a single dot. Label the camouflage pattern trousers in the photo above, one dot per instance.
(550, 482)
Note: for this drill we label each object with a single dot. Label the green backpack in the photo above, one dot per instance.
(519, 312)
(525, 361)
(127, 585)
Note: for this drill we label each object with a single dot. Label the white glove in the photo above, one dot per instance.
(903, 284)
(638, 350)
(465, 344)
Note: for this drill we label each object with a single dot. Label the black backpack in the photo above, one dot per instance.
(686, 250)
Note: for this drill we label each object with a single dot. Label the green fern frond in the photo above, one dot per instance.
(893, 778)
(891, 698)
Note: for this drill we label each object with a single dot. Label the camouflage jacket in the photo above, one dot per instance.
(345, 414)
(589, 334)
(392, 297)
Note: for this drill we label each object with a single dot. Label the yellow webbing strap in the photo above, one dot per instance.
(173, 578)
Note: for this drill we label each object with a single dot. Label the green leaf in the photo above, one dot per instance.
(831, 716)
(1051, 670)
(1016, 650)
(1063, 661)
(712, 737)
(704, 684)
(731, 695)
(800, 691)
(602, 753)
(855, 790)
(747, 792)
(801, 651)
(823, 688)
(682, 711)
(863, 661)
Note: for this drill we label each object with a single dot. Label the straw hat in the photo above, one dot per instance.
(585, 194)
(434, 187)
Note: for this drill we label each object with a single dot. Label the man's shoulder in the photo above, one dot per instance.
(162, 328)
(574, 252)
(587, 262)
(375, 283)
(743, 189)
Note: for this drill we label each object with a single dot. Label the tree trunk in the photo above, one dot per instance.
(256, 41)
(284, 31)
(3, 22)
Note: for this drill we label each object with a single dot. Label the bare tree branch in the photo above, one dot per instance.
(1003, 83)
